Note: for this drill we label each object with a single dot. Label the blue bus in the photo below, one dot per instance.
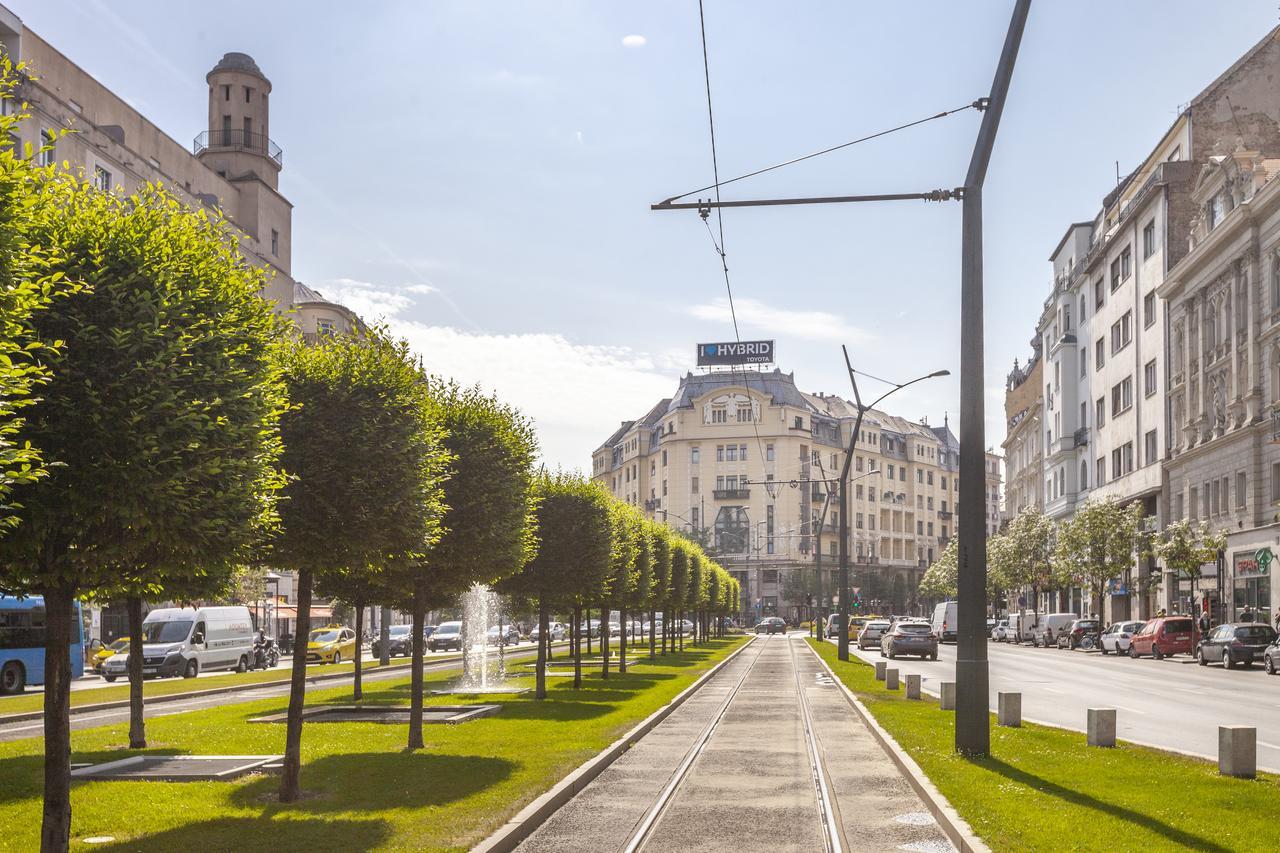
(22, 627)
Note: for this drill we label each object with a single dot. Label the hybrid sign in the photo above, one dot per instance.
(735, 352)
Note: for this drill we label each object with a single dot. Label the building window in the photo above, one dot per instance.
(1241, 491)
(1152, 451)
(47, 156)
(693, 485)
(1101, 476)
(719, 452)
(929, 478)
(664, 459)
(858, 521)
(1099, 294)
(719, 415)
(742, 452)
(248, 94)
(1099, 353)
(1149, 310)
(1149, 378)
(1115, 275)
(1122, 332)
(1100, 412)
(664, 488)
(744, 413)
(275, 243)
(1126, 263)
(101, 179)
(1121, 396)
(1084, 475)
(326, 327)
(1149, 239)
(694, 455)
(226, 93)
(1193, 503)
(768, 452)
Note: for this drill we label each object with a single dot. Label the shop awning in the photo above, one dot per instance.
(290, 611)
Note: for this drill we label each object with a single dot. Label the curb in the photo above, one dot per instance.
(517, 829)
(27, 716)
(956, 828)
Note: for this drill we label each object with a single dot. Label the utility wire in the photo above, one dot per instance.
(976, 105)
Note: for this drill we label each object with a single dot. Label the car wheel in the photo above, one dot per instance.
(192, 670)
(243, 665)
(13, 679)
(337, 658)
(892, 654)
(1229, 660)
(1269, 664)
(1200, 658)
(109, 679)
(1156, 653)
(1103, 649)
(1133, 651)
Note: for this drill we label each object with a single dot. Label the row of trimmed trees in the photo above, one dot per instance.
(598, 552)
(1095, 546)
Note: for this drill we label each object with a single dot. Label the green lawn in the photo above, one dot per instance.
(1042, 789)
(362, 789)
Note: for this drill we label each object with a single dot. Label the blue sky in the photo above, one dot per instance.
(479, 173)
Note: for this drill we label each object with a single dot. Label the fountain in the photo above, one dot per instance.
(481, 606)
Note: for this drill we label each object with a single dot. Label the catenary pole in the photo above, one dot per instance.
(973, 724)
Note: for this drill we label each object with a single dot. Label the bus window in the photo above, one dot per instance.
(22, 638)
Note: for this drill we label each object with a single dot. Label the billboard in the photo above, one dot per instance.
(735, 352)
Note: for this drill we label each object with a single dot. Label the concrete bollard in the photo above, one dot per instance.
(1238, 751)
(890, 679)
(1102, 727)
(947, 700)
(1010, 710)
(913, 686)
(881, 666)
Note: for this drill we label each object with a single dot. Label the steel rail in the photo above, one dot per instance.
(833, 826)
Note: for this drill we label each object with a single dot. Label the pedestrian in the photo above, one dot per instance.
(1161, 613)
(1205, 622)
(1247, 615)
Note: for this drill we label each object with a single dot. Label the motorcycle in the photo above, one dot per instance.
(265, 654)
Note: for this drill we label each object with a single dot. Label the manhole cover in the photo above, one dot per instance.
(177, 768)
(448, 714)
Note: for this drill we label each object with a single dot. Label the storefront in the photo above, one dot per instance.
(1251, 584)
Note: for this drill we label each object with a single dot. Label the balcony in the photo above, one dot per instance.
(238, 140)
(1081, 437)
(945, 515)
(818, 497)
(731, 494)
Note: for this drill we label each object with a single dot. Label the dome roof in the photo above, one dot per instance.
(237, 62)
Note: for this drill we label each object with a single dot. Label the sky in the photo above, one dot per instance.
(478, 174)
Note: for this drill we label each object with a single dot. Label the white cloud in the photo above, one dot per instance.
(421, 289)
(756, 315)
(634, 41)
(372, 302)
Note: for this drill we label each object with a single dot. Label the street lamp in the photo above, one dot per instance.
(842, 485)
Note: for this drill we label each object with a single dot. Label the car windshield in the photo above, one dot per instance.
(1255, 632)
(400, 630)
(323, 636)
(913, 628)
(1177, 625)
(165, 632)
(877, 626)
(1132, 626)
(450, 628)
(118, 645)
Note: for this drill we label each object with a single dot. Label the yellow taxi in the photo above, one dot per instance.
(100, 656)
(331, 644)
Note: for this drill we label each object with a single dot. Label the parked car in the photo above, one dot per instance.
(510, 635)
(399, 641)
(184, 641)
(1080, 634)
(945, 620)
(910, 638)
(1118, 636)
(1271, 658)
(1000, 630)
(770, 625)
(555, 630)
(1022, 627)
(101, 655)
(447, 636)
(1050, 626)
(1163, 636)
(1233, 643)
(872, 632)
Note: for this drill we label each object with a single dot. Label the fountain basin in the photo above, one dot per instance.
(437, 714)
(496, 689)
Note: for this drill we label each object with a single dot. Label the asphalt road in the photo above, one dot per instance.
(752, 786)
(1173, 703)
(34, 728)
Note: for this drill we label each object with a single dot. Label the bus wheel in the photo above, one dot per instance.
(12, 678)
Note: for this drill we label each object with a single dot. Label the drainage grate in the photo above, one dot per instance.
(177, 768)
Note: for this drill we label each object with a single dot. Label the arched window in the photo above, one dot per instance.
(1275, 282)
(1084, 475)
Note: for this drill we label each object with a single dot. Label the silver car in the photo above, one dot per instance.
(871, 633)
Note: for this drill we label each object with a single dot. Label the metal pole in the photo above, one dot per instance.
(973, 725)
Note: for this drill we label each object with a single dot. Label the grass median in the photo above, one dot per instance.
(362, 790)
(1043, 789)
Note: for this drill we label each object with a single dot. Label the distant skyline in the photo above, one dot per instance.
(478, 174)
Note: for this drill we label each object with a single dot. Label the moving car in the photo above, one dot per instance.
(1233, 643)
(185, 640)
(1164, 635)
(101, 655)
(770, 625)
(1000, 631)
(399, 641)
(1050, 626)
(447, 636)
(555, 630)
(1080, 634)
(510, 635)
(331, 644)
(945, 620)
(1118, 636)
(1271, 658)
(910, 638)
(872, 632)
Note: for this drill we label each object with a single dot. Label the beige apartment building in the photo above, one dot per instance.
(232, 168)
(742, 460)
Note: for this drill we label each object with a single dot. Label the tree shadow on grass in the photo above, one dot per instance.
(554, 709)
(22, 776)
(263, 833)
(1177, 836)
(373, 781)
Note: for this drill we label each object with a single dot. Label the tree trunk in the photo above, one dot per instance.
(289, 787)
(415, 678)
(357, 693)
(588, 625)
(55, 830)
(384, 637)
(622, 641)
(544, 642)
(577, 647)
(680, 628)
(137, 724)
(653, 636)
(604, 641)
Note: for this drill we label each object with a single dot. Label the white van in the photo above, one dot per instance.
(1022, 627)
(1052, 624)
(945, 621)
(184, 640)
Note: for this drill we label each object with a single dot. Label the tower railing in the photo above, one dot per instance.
(238, 140)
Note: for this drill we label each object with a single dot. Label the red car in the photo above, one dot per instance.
(1165, 635)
